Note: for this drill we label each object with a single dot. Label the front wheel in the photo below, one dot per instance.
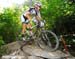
(48, 41)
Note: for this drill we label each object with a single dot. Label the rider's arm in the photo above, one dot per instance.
(27, 14)
(38, 17)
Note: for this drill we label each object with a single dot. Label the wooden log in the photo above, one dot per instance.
(34, 57)
(33, 52)
(13, 57)
(42, 53)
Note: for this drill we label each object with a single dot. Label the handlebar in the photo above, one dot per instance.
(41, 24)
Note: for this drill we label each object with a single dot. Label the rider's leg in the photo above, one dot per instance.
(29, 26)
(23, 29)
(23, 26)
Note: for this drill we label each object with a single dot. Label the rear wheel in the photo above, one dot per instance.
(48, 41)
(22, 40)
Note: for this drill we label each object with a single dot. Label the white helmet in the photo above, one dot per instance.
(38, 4)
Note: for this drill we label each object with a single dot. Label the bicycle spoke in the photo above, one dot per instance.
(49, 41)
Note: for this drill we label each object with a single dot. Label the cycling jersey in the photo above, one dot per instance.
(33, 13)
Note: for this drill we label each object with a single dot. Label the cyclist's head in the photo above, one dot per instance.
(37, 5)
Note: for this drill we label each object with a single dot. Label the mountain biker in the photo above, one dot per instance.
(28, 15)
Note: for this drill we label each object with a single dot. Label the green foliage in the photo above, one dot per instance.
(57, 12)
(4, 51)
(9, 21)
(1, 41)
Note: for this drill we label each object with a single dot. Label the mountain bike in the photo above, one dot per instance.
(45, 39)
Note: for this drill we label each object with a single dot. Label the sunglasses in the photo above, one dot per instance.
(39, 6)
